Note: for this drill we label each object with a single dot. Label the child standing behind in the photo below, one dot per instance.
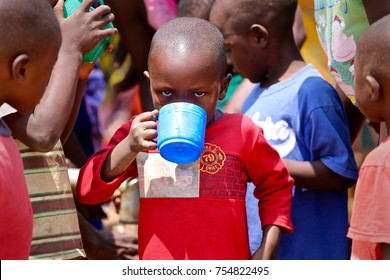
(370, 227)
(187, 63)
(303, 119)
(27, 55)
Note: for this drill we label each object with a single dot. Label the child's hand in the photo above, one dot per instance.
(143, 131)
(82, 30)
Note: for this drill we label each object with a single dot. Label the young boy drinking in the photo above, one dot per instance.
(303, 119)
(187, 63)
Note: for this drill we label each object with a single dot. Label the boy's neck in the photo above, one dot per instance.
(285, 64)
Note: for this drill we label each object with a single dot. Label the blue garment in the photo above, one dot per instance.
(87, 127)
(304, 120)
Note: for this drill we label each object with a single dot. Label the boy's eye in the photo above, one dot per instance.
(167, 93)
(199, 94)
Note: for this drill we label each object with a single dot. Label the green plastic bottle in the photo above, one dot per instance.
(69, 7)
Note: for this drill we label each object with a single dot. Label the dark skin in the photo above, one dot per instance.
(53, 118)
(263, 46)
(25, 70)
(234, 105)
(375, 10)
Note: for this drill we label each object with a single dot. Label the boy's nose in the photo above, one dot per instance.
(181, 98)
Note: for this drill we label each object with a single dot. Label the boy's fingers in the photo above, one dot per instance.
(148, 116)
(104, 33)
(100, 11)
(85, 5)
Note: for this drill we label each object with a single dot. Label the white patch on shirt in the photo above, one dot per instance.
(279, 132)
(161, 178)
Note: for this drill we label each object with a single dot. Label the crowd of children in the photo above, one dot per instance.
(272, 181)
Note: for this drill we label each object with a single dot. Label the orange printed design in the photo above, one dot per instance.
(212, 159)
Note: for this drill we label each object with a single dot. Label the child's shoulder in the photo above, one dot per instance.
(316, 90)
(311, 78)
(380, 155)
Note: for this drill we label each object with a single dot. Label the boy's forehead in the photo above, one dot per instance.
(190, 70)
(181, 56)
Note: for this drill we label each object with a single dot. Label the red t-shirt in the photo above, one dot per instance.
(16, 216)
(197, 210)
(371, 209)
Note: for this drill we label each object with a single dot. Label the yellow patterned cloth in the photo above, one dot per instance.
(56, 233)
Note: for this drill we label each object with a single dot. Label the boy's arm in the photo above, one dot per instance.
(315, 175)
(122, 155)
(42, 129)
(273, 183)
(80, 32)
(328, 162)
(269, 245)
(109, 167)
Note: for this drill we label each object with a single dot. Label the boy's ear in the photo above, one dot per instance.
(260, 34)
(19, 67)
(374, 88)
(225, 86)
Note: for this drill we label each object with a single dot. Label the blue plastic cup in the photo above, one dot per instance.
(181, 131)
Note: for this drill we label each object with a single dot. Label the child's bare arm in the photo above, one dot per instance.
(270, 243)
(80, 33)
(316, 175)
(142, 131)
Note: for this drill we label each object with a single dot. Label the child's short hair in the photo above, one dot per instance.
(244, 13)
(26, 26)
(190, 33)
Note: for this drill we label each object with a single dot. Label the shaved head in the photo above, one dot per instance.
(26, 26)
(243, 13)
(373, 50)
(186, 35)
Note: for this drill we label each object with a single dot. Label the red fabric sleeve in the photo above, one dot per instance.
(91, 189)
(273, 184)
